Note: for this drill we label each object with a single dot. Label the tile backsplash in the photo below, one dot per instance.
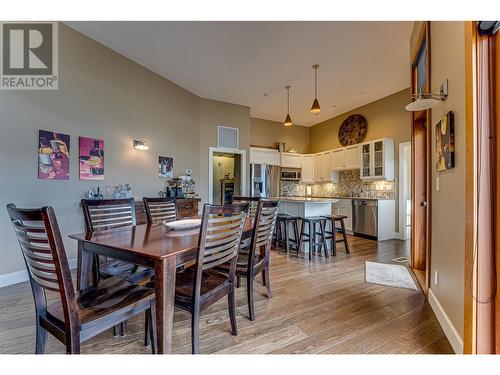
(350, 184)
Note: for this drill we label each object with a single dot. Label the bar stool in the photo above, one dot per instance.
(282, 228)
(310, 236)
(331, 235)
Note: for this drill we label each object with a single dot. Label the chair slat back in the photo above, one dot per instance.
(108, 213)
(222, 227)
(45, 257)
(159, 210)
(265, 222)
(252, 202)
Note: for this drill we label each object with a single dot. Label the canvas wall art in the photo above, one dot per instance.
(165, 167)
(91, 157)
(445, 143)
(53, 155)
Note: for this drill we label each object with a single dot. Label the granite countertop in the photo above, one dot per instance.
(367, 198)
(308, 199)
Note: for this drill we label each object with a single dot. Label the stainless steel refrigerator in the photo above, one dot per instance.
(265, 180)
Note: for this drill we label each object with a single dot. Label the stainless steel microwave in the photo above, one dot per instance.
(290, 174)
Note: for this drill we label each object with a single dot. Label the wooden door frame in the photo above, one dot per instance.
(424, 34)
(469, 338)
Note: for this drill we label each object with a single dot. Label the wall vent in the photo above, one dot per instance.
(227, 137)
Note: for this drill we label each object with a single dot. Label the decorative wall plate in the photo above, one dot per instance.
(353, 130)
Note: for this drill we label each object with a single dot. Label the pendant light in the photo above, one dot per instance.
(288, 120)
(315, 108)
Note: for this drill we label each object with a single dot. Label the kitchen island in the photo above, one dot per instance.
(306, 207)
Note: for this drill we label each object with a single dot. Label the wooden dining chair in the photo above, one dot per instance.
(200, 286)
(102, 214)
(159, 210)
(252, 204)
(256, 260)
(74, 317)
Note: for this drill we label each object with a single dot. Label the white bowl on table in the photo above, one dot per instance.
(185, 224)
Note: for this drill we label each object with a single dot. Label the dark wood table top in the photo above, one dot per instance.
(151, 240)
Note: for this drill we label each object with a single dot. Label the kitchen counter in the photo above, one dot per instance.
(308, 199)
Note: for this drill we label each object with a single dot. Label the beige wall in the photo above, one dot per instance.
(448, 204)
(104, 95)
(267, 133)
(212, 114)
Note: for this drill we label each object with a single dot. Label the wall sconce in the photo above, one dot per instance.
(423, 101)
(140, 145)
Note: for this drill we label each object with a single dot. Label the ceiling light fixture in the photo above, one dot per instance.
(423, 101)
(288, 120)
(140, 145)
(315, 108)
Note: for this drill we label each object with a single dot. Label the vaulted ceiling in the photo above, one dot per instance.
(249, 63)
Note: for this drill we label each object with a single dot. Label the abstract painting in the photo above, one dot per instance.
(53, 155)
(445, 143)
(91, 159)
(165, 167)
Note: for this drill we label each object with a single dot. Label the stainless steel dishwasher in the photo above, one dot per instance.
(364, 217)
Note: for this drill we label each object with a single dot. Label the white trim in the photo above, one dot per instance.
(451, 333)
(402, 201)
(21, 276)
(243, 169)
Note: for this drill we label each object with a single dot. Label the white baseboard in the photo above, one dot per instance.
(20, 276)
(451, 333)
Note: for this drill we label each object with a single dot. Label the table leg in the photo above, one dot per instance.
(84, 267)
(165, 298)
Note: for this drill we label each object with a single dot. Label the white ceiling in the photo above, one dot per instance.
(239, 62)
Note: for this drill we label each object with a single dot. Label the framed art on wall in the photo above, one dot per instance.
(445, 143)
(91, 158)
(53, 155)
(165, 167)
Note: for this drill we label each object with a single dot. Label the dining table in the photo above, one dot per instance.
(153, 246)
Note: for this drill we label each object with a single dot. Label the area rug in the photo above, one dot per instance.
(393, 275)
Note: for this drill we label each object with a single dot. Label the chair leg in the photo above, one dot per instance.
(287, 237)
(41, 338)
(296, 234)
(299, 245)
(311, 237)
(238, 281)
(73, 345)
(147, 333)
(152, 329)
(231, 301)
(123, 328)
(323, 238)
(251, 311)
(195, 330)
(344, 234)
(265, 280)
(334, 239)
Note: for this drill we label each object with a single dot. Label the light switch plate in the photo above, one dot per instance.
(436, 278)
(437, 183)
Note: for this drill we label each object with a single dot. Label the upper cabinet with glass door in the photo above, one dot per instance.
(377, 160)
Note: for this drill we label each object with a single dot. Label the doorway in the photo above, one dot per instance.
(227, 176)
(421, 163)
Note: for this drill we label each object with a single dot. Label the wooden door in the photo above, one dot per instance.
(419, 193)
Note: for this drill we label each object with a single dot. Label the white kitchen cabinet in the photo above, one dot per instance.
(307, 164)
(338, 159)
(344, 207)
(323, 171)
(264, 156)
(377, 160)
(352, 157)
(289, 160)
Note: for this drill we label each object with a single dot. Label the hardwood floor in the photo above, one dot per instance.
(320, 307)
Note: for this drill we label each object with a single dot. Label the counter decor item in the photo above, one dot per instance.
(91, 157)
(122, 191)
(445, 143)
(353, 130)
(165, 167)
(53, 155)
(183, 224)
